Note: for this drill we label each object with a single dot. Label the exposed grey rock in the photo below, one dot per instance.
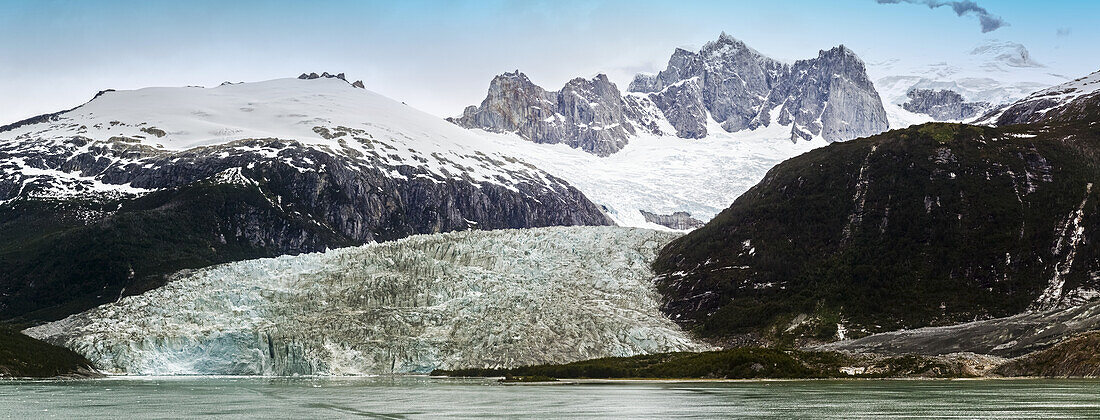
(643, 113)
(727, 81)
(354, 194)
(830, 96)
(358, 84)
(683, 107)
(733, 80)
(585, 114)
(1009, 337)
(680, 220)
(942, 105)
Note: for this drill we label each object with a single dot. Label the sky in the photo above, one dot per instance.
(439, 56)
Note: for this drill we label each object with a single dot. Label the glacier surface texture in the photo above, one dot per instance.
(464, 299)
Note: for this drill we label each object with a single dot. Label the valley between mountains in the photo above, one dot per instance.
(732, 216)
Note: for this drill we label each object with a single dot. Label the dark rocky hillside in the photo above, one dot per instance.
(931, 225)
(1075, 357)
(62, 256)
(25, 357)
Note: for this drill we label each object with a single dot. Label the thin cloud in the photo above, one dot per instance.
(1063, 32)
(988, 21)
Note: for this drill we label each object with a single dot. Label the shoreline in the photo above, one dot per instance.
(499, 379)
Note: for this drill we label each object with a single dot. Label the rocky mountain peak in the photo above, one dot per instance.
(590, 114)
(327, 75)
(726, 81)
(829, 96)
(513, 82)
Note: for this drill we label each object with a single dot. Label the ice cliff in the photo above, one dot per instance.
(475, 298)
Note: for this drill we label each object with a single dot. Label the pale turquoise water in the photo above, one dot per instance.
(414, 397)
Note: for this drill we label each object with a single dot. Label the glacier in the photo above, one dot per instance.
(464, 299)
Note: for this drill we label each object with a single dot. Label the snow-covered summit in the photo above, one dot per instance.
(182, 117)
(377, 150)
(1065, 102)
(1074, 89)
(996, 52)
(994, 72)
(308, 111)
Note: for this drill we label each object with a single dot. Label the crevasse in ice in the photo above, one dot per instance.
(465, 299)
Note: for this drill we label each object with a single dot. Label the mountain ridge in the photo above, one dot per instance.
(212, 175)
(726, 82)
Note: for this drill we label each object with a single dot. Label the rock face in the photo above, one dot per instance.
(100, 187)
(1067, 102)
(943, 105)
(683, 107)
(585, 114)
(829, 96)
(1073, 358)
(731, 82)
(726, 81)
(464, 299)
(1013, 336)
(326, 75)
(932, 225)
(680, 220)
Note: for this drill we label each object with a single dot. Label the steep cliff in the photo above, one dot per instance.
(586, 114)
(726, 82)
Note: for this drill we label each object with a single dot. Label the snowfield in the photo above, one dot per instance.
(666, 174)
(658, 174)
(997, 72)
(466, 299)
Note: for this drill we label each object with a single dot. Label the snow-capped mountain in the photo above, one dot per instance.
(1069, 101)
(136, 128)
(994, 73)
(628, 152)
(726, 82)
(466, 299)
(196, 176)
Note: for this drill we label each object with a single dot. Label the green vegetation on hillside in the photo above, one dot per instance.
(739, 363)
(25, 357)
(53, 262)
(930, 225)
(1078, 356)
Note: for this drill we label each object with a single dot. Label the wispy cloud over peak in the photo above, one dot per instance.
(988, 21)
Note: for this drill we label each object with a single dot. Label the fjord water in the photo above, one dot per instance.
(421, 397)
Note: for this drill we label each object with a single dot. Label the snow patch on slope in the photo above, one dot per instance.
(324, 114)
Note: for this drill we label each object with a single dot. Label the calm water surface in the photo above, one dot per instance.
(417, 397)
